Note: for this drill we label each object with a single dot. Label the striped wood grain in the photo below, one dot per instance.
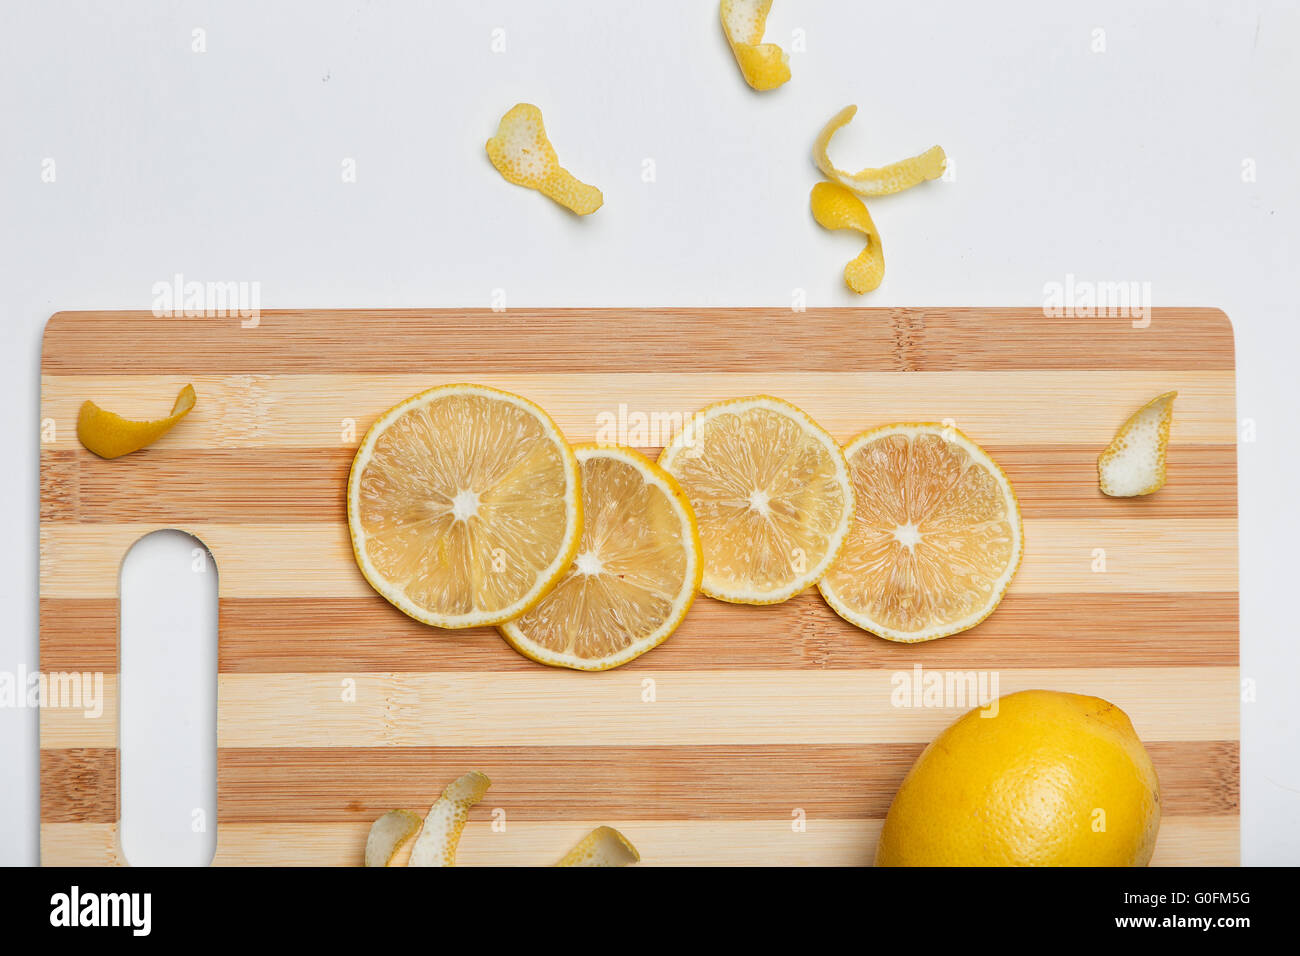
(757, 712)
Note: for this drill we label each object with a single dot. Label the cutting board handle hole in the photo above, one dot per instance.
(167, 701)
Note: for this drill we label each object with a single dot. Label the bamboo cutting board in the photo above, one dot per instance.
(754, 735)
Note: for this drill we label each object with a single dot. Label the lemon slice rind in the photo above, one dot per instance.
(1001, 585)
(666, 484)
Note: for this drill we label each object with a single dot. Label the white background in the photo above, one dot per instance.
(226, 165)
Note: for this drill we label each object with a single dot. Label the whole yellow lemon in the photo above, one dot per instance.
(1041, 779)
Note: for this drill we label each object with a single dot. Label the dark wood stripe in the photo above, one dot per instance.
(79, 635)
(278, 485)
(1077, 630)
(79, 786)
(644, 783)
(556, 783)
(272, 485)
(59, 492)
(633, 340)
(1060, 481)
(275, 635)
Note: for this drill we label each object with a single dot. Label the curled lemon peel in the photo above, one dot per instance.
(440, 836)
(1133, 463)
(835, 207)
(603, 846)
(893, 178)
(524, 156)
(765, 66)
(109, 435)
(436, 845)
(389, 834)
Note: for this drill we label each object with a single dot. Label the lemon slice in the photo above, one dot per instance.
(771, 494)
(635, 575)
(936, 537)
(1133, 463)
(464, 505)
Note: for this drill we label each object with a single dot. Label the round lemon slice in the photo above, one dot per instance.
(936, 537)
(635, 574)
(464, 505)
(771, 493)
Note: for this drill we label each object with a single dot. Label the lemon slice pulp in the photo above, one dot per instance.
(464, 505)
(771, 494)
(936, 537)
(636, 571)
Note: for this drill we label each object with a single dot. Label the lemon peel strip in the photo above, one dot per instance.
(523, 155)
(1133, 463)
(109, 435)
(603, 846)
(893, 178)
(436, 845)
(389, 834)
(836, 207)
(765, 66)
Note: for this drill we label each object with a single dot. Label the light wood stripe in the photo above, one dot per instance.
(721, 340)
(993, 408)
(691, 707)
(342, 784)
(266, 635)
(311, 560)
(283, 485)
(75, 728)
(1183, 841)
(697, 707)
